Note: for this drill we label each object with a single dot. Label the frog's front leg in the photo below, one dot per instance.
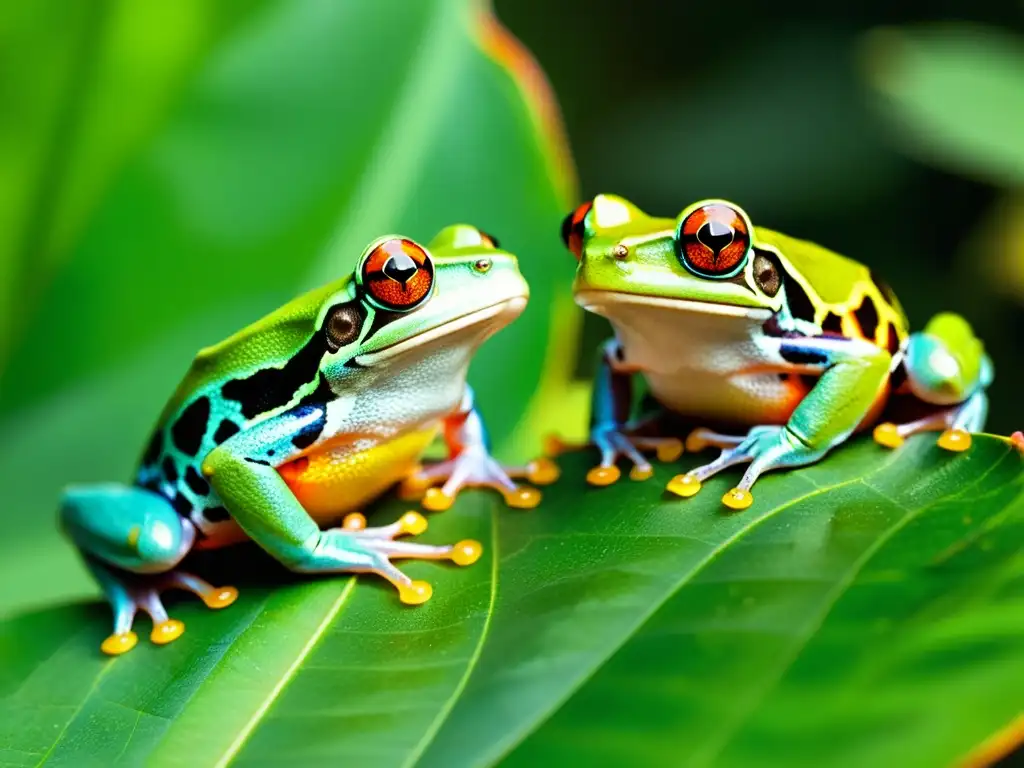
(945, 366)
(612, 424)
(132, 539)
(852, 375)
(260, 501)
(470, 464)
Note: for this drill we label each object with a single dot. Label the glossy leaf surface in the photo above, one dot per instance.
(866, 610)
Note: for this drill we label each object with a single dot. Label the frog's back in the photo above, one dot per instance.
(842, 295)
(278, 336)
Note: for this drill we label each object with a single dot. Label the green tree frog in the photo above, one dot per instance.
(300, 419)
(743, 326)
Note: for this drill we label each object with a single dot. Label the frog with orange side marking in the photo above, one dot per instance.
(302, 418)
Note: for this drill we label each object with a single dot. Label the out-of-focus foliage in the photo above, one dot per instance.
(849, 618)
(955, 93)
(174, 170)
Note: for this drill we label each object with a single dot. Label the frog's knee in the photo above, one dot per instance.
(127, 527)
(939, 372)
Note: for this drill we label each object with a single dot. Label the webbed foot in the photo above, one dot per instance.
(955, 424)
(614, 444)
(130, 593)
(379, 547)
(475, 468)
(764, 448)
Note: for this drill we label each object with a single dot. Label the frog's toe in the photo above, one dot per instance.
(888, 435)
(166, 631)
(415, 592)
(542, 471)
(738, 499)
(219, 597)
(603, 475)
(119, 642)
(1017, 439)
(684, 485)
(523, 497)
(956, 440)
(640, 474)
(436, 500)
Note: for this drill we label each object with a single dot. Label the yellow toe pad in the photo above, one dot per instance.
(466, 552)
(738, 499)
(523, 497)
(683, 485)
(220, 597)
(603, 475)
(115, 645)
(166, 631)
(437, 500)
(640, 473)
(542, 472)
(413, 523)
(415, 592)
(354, 522)
(669, 450)
(888, 435)
(955, 440)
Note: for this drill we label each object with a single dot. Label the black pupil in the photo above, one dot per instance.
(715, 235)
(400, 268)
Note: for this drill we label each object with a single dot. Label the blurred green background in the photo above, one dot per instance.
(892, 132)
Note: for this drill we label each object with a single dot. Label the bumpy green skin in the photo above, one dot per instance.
(742, 325)
(287, 387)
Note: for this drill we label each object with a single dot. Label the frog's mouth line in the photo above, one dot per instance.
(597, 300)
(511, 307)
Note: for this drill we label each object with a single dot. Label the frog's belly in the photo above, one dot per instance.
(348, 474)
(703, 360)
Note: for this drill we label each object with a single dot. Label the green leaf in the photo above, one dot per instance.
(865, 611)
(953, 92)
(297, 132)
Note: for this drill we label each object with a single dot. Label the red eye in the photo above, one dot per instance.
(713, 240)
(398, 274)
(572, 230)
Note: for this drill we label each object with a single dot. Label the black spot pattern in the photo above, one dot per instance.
(170, 471)
(182, 505)
(187, 432)
(225, 429)
(155, 448)
(322, 394)
(800, 306)
(381, 317)
(271, 388)
(308, 435)
(808, 380)
(802, 356)
(216, 514)
(894, 340)
(867, 317)
(196, 482)
(898, 377)
(832, 323)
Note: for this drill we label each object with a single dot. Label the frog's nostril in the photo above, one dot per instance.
(400, 268)
(716, 235)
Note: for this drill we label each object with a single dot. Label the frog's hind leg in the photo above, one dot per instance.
(380, 548)
(131, 540)
(945, 366)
